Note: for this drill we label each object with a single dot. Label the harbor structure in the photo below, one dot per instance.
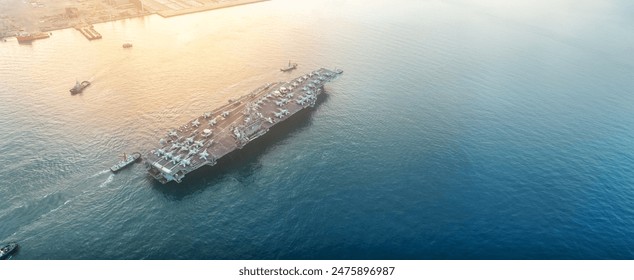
(88, 31)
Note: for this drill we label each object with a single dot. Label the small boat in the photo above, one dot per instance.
(290, 67)
(79, 87)
(338, 71)
(127, 45)
(8, 250)
(127, 160)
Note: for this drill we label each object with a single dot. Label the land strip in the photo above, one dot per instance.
(17, 16)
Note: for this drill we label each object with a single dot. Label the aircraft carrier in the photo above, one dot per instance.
(209, 137)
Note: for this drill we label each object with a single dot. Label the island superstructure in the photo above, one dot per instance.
(214, 134)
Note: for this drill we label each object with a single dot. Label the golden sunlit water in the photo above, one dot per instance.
(459, 129)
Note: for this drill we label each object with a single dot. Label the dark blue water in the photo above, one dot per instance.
(459, 130)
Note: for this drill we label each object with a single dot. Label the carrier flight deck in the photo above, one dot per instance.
(214, 134)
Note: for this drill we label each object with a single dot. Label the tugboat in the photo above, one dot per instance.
(79, 87)
(290, 67)
(127, 160)
(127, 45)
(8, 250)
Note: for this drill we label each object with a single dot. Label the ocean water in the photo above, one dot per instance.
(459, 130)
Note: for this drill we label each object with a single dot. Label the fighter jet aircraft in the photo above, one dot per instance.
(173, 133)
(207, 115)
(176, 159)
(189, 140)
(175, 145)
(225, 114)
(281, 113)
(200, 143)
(203, 155)
(195, 123)
(185, 162)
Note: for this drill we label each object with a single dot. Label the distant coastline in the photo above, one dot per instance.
(192, 10)
(77, 17)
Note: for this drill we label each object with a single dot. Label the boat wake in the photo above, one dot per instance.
(110, 178)
(28, 216)
(55, 209)
(35, 214)
(99, 173)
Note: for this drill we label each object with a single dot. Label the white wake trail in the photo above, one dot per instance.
(100, 173)
(107, 181)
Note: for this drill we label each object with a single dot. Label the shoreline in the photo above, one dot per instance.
(167, 14)
(88, 23)
(139, 14)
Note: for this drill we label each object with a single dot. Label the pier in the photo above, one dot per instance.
(214, 134)
(89, 32)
